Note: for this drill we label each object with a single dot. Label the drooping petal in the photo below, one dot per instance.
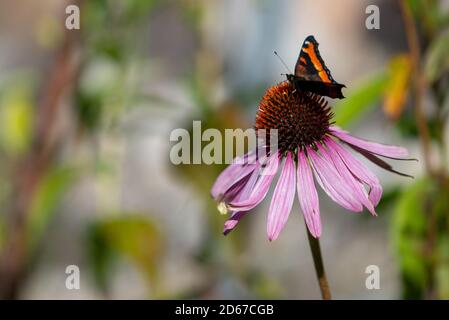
(388, 151)
(359, 170)
(357, 187)
(235, 190)
(381, 163)
(243, 195)
(261, 187)
(282, 201)
(231, 175)
(332, 183)
(308, 196)
(232, 222)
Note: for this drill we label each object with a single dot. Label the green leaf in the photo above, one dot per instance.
(389, 198)
(406, 125)
(360, 99)
(409, 213)
(442, 281)
(427, 14)
(89, 109)
(437, 59)
(136, 9)
(442, 269)
(49, 193)
(409, 226)
(127, 235)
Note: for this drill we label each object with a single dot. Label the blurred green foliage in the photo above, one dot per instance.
(420, 222)
(49, 193)
(360, 100)
(16, 117)
(409, 234)
(419, 232)
(130, 236)
(436, 63)
(101, 93)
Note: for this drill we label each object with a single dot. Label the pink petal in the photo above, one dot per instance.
(374, 147)
(231, 223)
(356, 186)
(229, 176)
(308, 196)
(331, 182)
(282, 201)
(234, 191)
(261, 187)
(359, 170)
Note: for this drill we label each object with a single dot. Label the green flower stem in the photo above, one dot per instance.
(319, 267)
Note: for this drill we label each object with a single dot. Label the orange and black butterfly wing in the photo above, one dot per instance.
(332, 90)
(311, 73)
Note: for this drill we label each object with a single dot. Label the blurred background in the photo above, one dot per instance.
(85, 175)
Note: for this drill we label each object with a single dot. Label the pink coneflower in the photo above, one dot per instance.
(312, 149)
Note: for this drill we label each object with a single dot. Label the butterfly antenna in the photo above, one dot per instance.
(282, 61)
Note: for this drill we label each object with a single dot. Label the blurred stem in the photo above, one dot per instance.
(319, 267)
(419, 83)
(441, 117)
(423, 130)
(30, 170)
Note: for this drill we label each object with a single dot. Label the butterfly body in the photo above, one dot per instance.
(311, 74)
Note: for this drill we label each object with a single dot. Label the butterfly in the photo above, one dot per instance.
(311, 74)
